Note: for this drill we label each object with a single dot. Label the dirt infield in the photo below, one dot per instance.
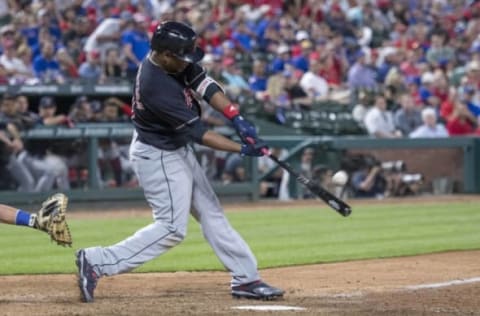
(436, 284)
(370, 287)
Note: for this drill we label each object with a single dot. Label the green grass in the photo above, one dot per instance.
(277, 237)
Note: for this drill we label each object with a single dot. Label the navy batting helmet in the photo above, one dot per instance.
(177, 38)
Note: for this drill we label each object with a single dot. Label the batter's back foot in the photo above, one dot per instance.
(257, 290)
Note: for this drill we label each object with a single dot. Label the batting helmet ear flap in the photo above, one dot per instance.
(178, 38)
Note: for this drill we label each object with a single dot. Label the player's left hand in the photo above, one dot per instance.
(244, 128)
(257, 149)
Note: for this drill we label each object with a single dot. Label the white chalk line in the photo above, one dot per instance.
(443, 284)
(358, 294)
(269, 308)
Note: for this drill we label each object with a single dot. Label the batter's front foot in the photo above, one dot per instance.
(87, 278)
(257, 290)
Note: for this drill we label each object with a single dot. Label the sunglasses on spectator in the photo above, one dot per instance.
(9, 33)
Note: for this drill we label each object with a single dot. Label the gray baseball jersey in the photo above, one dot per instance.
(166, 121)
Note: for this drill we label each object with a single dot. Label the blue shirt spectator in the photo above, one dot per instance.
(46, 68)
(136, 43)
(257, 83)
(258, 79)
(278, 64)
(91, 70)
(243, 37)
(362, 76)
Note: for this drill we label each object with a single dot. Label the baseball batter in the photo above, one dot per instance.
(167, 120)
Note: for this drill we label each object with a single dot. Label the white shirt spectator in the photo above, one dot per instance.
(425, 131)
(108, 27)
(314, 85)
(379, 122)
(17, 66)
(430, 128)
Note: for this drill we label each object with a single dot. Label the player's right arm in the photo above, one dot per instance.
(212, 92)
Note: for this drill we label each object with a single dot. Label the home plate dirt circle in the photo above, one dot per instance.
(269, 308)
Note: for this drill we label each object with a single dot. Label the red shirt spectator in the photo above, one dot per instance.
(446, 109)
(459, 126)
(461, 121)
(331, 69)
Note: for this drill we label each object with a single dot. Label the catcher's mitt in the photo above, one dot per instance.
(51, 218)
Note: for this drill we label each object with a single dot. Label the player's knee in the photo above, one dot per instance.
(176, 237)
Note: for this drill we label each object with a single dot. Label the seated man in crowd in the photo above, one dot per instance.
(430, 128)
(379, 121)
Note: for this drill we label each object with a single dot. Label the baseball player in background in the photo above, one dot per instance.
(167, 120)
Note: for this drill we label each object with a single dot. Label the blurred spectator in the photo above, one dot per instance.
(38, 24)
(17, 71)
(114, 167)
(68, 67)
(213, 65)
(270, 186)
(297, 97)
(258, 80)
(301, 61)
(368, 182)
(135, 42)
(3, 75)
(379, 121)
(10, 146)
(47, 111)
(362, 76)
(81, 111)
(48, 168)
(283, 58)
(438, 54)
(331, 68)
(461, 122)
(314, 85)
(114, 67)
(91, 69)
(407, 118)
(426, 91)
(28, 118)
(24, 53)
(107, 34)
(27, 179)
(234, 82)
(467, 95)
(46, 67)
(234, 169)
(307, 168)
(278, 96)
(115, 110)
(244, 37)
(430, 128)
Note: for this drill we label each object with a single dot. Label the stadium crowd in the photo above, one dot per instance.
(410, 68)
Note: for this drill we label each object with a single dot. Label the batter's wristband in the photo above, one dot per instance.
(230, 111)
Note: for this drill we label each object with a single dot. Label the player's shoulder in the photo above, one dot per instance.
(153, 80)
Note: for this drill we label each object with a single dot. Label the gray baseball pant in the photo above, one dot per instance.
(175, 185)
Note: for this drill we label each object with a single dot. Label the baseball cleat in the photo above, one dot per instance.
(87, 278)
(257, 290)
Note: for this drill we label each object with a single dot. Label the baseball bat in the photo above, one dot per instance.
(335, 203)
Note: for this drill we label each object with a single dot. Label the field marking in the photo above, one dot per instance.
(443, 284)
(269, 308)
